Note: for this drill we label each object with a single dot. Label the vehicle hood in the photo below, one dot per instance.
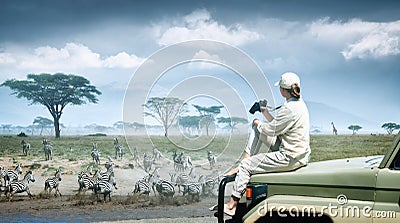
(360, 171)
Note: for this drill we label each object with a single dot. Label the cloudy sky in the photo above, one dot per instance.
(346, 52)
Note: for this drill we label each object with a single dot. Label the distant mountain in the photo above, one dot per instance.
(321, 116)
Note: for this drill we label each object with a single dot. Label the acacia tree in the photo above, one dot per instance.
(189, 123)
(390, 127)
(42, 123)
(232, 122)
(354, 128)
(55, 92)
(208, 114)
(165, 110)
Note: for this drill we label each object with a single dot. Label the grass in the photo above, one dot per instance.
(76, 148)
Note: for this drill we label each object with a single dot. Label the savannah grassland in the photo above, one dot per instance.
(76, 149)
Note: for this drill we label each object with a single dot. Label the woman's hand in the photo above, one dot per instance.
(255, 123)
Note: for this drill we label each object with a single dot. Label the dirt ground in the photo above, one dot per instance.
(125, 206)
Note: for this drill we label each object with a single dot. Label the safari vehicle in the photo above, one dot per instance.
(363, 189)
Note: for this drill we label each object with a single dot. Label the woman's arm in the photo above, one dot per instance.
(266, 114)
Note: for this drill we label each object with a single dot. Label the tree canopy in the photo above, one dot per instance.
(208, 114)
(232, 122)
(54, 91)
(165, 110)
(390, 127)
(354, 128)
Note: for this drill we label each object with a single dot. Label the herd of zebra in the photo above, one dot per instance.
(11, 182)
(183, 179)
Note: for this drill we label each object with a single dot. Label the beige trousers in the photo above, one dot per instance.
(275, 161)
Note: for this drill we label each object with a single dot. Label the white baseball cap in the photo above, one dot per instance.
(287, 80)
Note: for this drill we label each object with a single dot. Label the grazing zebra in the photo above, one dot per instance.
(211, 159)
(142, 186)
(52, 183)
(12, 175)
(48, 149)
(147, 162)
(164, 188)
(95, 154)
(105, 187)
(118, 149)
(25, 147)
(20, 186)
(193, 190)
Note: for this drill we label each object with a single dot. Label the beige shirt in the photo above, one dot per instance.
(292, 126)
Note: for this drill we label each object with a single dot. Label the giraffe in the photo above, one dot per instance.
(334, 129)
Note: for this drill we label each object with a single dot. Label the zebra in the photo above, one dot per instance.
(12, 175)
(95, 154)
(208, 184)
(52, 183)
(164, 188)
(156, 153)
(20, 186)
(25, 147)
(177, 161)
(211, 159)
(183, 162)
(48, 149)
(193, 190)
(179, 179)
(147, 162)
(142, 186)
(85, 181)
(105, 176)
(135, 155)
(105, 187)
(118, 149)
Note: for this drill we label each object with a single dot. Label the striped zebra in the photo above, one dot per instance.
(182, 162)
(85, 182)
(105, 187)
(95, 154)
(12, 175)
(118, 149)
(25, 147)
(136, 155)
(193, 190)
(147, 162)
(211, 159)
(178, 179)
(156, 153)
(52, 183)
(48, 149)
(105, 176)
(142, 186)
(208, 184)
(20, 186)
(164, 188)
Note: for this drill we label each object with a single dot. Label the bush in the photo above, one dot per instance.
(22, 134)
(98, 134)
